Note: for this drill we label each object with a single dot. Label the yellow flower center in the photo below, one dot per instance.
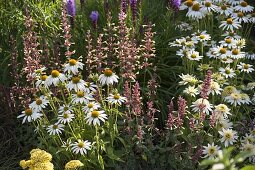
(88, 84)
(193, 56)
(228, 135)
(246, 66)
(55, 126)
(229, 21)
(244, 4)
(224, 7)
(196, 116)
(72, 62)
(95, 113)
(208, 4)
(75, 80)
(253, 14)
(90, 105)
(66, 108)
(55, 73)
(108, 72)
(235, 96)
(81, 145)
(227, 71)
(228, 40)
(28, 112)
(240, 14)
(38, 101)
(231, 34)
(189, 3)
(235, 52)
(211, 151)
(80, 94)
(43, 78)
(66, 115)
(116, 96)
(202, 36)
(223, 51)
(196, 7)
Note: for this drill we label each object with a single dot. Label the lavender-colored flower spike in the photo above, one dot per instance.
(94, 16)
(133, 4)
(71, 7)
(175, 4)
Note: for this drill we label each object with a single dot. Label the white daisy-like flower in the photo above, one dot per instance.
(215, 88)
(41, 81)
(191, 90)
(228, 42)
(116, 99)
(55, 78)
(223, 123)
(225, 9)
(183, 26)
(195, 12)
(244, 7)
(178, 42)
(236, 54)
(245, 99)
(210, 150)
(251, 17)
(230, 24)
(201, 37)
(95, 116)
(81, 147)
(208, 6)
(188, 79)
(73, 66)
(227, 60)
(231, 34)
(250, 86)
(65, 108)
(219, 52)
(250, 55)
(67, 144)
(227, 72)
(91, 106)
(76, 83)
(29, 115)
(39, 104)
(228, 136)
(108, 77)
(247, 68)
(233, 2)
(240, 43)
(90, 87)
(187, 4)
(240, 17)
(228, 90)
(37, 73)
(234, 99)
(222, 109)
(55, 129)
(202, 105)
(183, 52)
(66, 117)
(249, 147)
(248, 138)
(81, 97)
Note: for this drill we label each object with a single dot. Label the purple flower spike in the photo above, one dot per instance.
(175, 4)
(94, 16)
(71, 8)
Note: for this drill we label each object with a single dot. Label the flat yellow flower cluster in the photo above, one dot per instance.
(73, 164)
(39, 160)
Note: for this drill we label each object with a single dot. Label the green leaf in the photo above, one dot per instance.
(242, 156)
(248, 167)
(101, 161)
(111, 155)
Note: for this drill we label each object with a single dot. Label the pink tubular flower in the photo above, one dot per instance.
(206, 85)
(181, 107)
(136, 100)
(170, 119)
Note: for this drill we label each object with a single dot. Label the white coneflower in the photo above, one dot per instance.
(250, 86)
(247, 68)
(81, 147)
(225, 10)
(191, 90)
(81, 97)
(76, 83)
(183, 52)
(244, 7)
(248, 138)
(73, 66)
(116, 99)
(227, 72)
(240, 17)
(236, 54)
(228, 42)
(64, 108)
(228, 90)
(178, 42)
(228, 136)
(215, 88)
(201, 37)
(95, 116)
(55, 78)
(29, 115)
(208, 6)
(39, 104)
(183, 26)
(227, 60)
(37, 73)
(252, 17)
(90, 87)
(210, 151)
(187, 4)
(231, 34)
(219, 52)
(250, 55)
(91, 106)
(201, 105)
(234, 99)
(55, 129)
(222, 109)
(245, 99)
(233, 2)
(108, 77)
(41, 81)
(223, 123)
(194, 55)
(230, 24)
(240, 43)
(188, 79)
(66, 117)
(195, 12)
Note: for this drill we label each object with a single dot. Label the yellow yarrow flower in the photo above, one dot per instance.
(73, 164)
(23, 164)
(43, 166)
(40, 156)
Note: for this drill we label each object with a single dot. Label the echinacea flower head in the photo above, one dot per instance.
(240, 17)
(237, 54)
(230, 24)
(223, 123)
(90, 87)
(94, 16)
(195, 12)
(228, 136)
(41, 81)
(55, 129)
(194, 55)
(188, 79)
(227, 72)
(210, 151)
(187, 4)
(55, 78)
(95, 116)
(191, 91)
(73, 165)
(91, 106)
(108, 77)
(234, 99)
(225, 9)
(249, 147)
(228, 90)
(244, 7)
(247, 68)
(116, 99)
(208, 6)
(76, 84)
(64, 108)
(222, 110)
(248, 138)
(215, 88)
(201, 105)
(81, 97)
(81, 147)
(66, 117)
(29, 115)
(39, 104)
(73, 66)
